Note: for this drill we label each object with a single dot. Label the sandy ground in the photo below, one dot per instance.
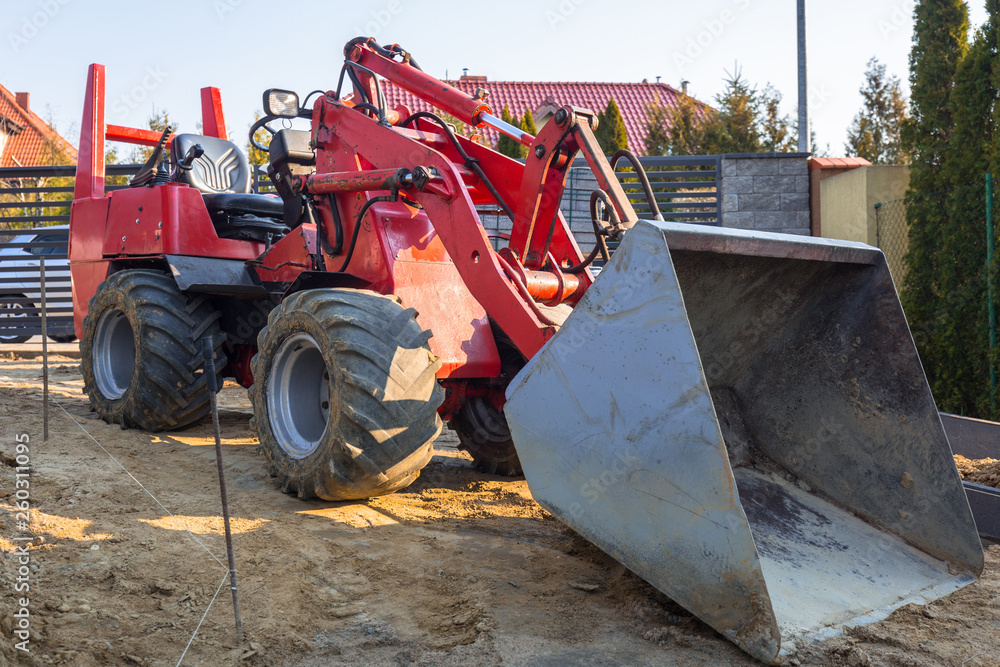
(459, 569)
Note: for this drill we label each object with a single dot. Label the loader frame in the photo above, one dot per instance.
(365, 163)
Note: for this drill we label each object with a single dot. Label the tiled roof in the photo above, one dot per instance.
(632, 99)
(28, 147)
(837, 163)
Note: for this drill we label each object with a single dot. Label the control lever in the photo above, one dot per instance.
(151, 173)
(187, 161)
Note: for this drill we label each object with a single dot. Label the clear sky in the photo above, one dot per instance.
(162, 53)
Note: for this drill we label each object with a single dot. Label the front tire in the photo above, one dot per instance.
(141, 352)
(345, 394)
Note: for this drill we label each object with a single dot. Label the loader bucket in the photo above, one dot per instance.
(742, 419)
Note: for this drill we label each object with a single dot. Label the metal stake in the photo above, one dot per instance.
(45, 355)
(803, 78)
(213, 387)
(991, 293)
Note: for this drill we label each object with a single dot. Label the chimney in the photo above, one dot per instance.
(684, 87)
(22, 100)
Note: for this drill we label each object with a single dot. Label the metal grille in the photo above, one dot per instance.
(892, 233)
(261, 182)
(686, 189)
(34, 212)
(20, 284)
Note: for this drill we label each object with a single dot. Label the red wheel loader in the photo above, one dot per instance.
(741, 418)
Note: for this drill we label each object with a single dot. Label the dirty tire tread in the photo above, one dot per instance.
(168, 390)
(483, 432)
(379, 433)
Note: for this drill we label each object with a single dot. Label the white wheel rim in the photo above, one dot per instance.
(11, 310)
(298, 396)
(114, 353)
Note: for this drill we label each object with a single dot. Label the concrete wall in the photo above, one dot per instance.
(847, 200)
(766, 191)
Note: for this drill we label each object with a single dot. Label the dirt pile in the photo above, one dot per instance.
(979, 471)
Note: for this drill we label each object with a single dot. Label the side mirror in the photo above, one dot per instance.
(281, 103)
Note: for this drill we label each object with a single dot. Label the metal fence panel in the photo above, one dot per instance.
(32, 201)
(20, 283)
(686, 189)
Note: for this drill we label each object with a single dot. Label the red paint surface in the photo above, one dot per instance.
(213, 120)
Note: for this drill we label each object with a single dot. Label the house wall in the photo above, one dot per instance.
(766, 191)
(847, 201)
(820, 169)
(843, 207)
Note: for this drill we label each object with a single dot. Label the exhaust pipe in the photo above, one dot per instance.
(744, 422)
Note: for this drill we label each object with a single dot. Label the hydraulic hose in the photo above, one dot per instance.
(601, 246)
(357, 228)
(469, 162)
(643, 178)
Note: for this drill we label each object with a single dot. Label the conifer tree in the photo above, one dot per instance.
(611, 133)
(658, 117)
(505, 144)
(677, 129)
(738, 127)
(939, 43)
(528, 123)
(874, 132)
(775, 129)
(961, 342)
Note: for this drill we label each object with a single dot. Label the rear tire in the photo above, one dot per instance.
(345, 394)
(63, 338)
(483, 432)
(141, 352)
(482, 428)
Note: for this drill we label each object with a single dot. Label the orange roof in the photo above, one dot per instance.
(29, 137)
(837, 163)
(632, 99)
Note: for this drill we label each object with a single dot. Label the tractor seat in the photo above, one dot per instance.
(249, 217)
(222, 175)
(268, 207)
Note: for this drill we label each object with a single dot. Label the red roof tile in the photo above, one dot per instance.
(28, 148)
(837, 163)
(632, 99)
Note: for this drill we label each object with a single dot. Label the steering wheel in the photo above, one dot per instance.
(261, 124)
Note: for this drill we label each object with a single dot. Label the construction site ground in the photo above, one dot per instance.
(460, 568)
